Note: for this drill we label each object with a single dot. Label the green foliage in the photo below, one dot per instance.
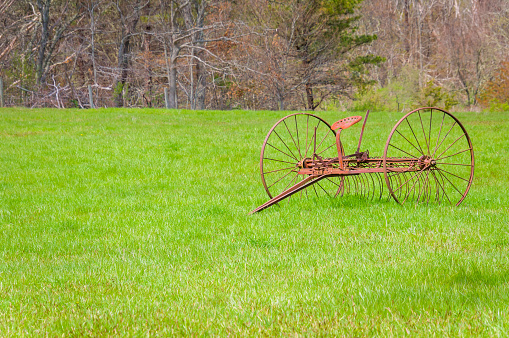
(118, 89)
(495, 94)
(21, 70)
(402, 93)
(435, 96)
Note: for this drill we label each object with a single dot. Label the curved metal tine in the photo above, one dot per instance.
(357, 186)
(424, 187)
(414, 174)
(354, 185)
(407, 190)
(423, 132)
(421, 185)
(380, 185)
(437, 187)
(431, 186)
(442, 188)
(373, 186)
(368, 186)
(362, 185)
(412, 189)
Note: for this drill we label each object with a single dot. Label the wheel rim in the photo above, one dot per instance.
(444, 169)
(290, 141)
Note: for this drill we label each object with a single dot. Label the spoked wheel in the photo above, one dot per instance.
(442, 157)
(289, 143)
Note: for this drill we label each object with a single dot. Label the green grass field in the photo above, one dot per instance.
(134, 222)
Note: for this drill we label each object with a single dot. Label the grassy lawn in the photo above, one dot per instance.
(134, 222)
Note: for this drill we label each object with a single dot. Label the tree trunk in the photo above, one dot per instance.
(43, 7)
(173, 102)
(124, 53)
(309, 96)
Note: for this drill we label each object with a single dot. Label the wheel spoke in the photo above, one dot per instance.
(295, 143)
(288, 173)
(407, 140)
(293, 179)
(291, 152)
(297, 130)
(316, 192)
(459, 152)
(332, 181)
(272, 159)
(404, 151)
(326, 148)
(412, 129)
(451, 145)
(313, 138)
(460, 164)
(282, 151)
(439, 133)
(275, 171)
(307, 134)
(424, 132)
(429, 131)
(443, 175)
(328, 132)
(444, 138)
(461, 178)
(325, 191)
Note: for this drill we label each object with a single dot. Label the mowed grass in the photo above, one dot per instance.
(134, 222)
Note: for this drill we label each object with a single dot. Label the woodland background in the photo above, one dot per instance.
(256, 54)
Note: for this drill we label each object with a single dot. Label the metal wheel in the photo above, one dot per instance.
(291, 140)
(443, 166)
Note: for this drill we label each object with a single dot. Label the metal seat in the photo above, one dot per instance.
(346, 122)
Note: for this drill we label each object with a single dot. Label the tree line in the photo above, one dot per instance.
(255, 54)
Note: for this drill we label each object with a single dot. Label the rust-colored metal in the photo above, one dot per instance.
(428, 157)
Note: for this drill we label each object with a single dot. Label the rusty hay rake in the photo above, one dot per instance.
(428, 158)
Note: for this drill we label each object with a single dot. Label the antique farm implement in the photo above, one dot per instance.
(428, 158)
